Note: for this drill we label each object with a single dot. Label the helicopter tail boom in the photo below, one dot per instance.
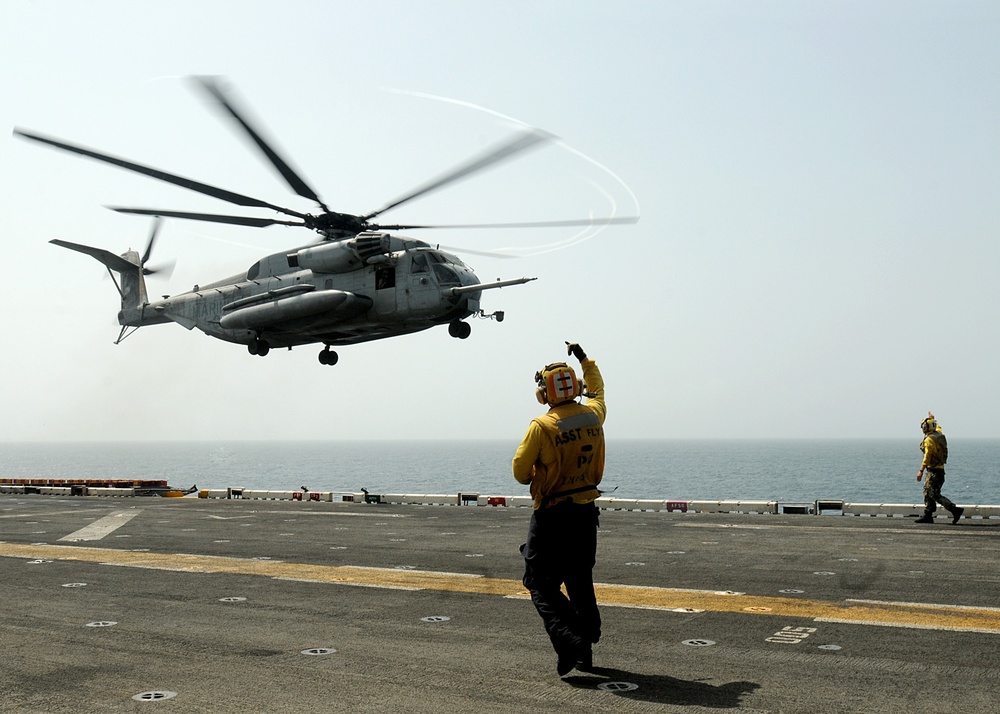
(131, 286)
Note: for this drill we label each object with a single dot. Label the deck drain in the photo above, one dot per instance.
(38, 562)
(675, 552)
(792, 591)
(405, 567)
(832, 648)
(102, 623)
(74, 585)
(232, 598)
(636, 562)
(435, 618)
(848, 560)
(473, 555)
(617, 686)
(823, 572)
(318, 651)
(157, 696)
(698, 643)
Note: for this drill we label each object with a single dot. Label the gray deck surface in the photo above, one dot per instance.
(276, 606)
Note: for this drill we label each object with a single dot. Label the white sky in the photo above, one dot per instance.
(818, 183)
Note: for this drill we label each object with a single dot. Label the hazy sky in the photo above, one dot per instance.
(817, 253)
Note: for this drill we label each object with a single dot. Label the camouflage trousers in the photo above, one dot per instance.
(932, 492)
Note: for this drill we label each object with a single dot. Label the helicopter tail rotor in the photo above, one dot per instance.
(131, 270)
(164, 269)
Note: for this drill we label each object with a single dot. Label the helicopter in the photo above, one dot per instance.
(359, 283)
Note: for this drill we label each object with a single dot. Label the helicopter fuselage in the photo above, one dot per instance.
(366, 288)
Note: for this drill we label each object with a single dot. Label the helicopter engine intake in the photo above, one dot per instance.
(347, 255)
(341, 257)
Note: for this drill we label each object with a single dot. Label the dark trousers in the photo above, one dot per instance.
(932, 491)
(562, 549)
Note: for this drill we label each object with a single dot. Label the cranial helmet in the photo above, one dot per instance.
(557, 383)
(929, 425)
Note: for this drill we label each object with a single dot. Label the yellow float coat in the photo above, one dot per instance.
(563, 450)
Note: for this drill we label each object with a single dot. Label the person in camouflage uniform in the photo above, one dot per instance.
(935, 448)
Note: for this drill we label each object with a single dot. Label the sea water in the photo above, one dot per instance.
(860, 471)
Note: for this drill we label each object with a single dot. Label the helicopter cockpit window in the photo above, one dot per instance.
(445, 275)
(254, 271)
(443, 258)
(419, 264)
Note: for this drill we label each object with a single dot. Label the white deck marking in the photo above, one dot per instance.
(102, 526)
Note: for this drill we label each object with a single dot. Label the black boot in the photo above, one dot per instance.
(576, 656)
(926, 518)
(956, 514)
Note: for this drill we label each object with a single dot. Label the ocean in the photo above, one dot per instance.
(860, 471)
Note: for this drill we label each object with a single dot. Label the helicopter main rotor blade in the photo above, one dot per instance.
(298, 184)
(211, 217)
(520, 142)
(215, 192)
(535, 224)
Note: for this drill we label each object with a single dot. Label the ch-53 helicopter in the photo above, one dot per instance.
(359, 283)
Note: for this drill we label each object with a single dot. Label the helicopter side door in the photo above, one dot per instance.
(423, 293)
(386, 287)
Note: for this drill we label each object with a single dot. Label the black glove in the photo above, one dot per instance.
(574, 349)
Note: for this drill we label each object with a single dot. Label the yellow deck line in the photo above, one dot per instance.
(913, 615)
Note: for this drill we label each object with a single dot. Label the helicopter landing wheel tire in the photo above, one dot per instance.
(459, 329)
(258, 347)
(328, 357)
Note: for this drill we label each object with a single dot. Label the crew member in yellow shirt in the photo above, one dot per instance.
(562, 459)
(935, 448)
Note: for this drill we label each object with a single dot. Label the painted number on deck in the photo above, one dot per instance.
(791, 635)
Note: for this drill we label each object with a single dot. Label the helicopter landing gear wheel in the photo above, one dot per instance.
(258, 347)
(459, 329)
(328, 357)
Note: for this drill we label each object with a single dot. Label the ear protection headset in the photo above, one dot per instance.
(557, 383)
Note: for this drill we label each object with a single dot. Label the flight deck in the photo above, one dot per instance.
(224, 605)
